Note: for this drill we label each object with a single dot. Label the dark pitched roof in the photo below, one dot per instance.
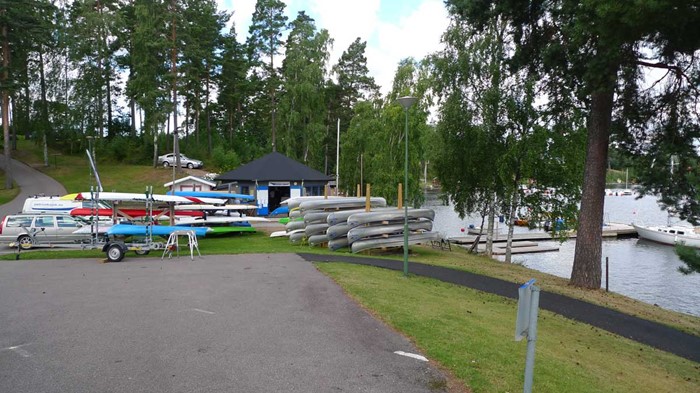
(273, 167)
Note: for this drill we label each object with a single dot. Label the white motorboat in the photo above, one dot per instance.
(671, 235)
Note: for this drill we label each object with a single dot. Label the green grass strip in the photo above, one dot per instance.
(472, 335)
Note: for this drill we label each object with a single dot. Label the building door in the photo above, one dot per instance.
(276, 195)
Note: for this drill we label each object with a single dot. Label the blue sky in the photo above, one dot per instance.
(393, 29)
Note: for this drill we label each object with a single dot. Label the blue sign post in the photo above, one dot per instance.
(526, 326)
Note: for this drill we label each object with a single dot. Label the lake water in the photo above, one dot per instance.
(640, 269)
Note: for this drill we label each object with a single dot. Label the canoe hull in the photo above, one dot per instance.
(393, 241)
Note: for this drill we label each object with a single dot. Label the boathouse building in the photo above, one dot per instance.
(272, 179)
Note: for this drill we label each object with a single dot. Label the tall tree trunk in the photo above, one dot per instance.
(25, 115)
(197, 115)
(586, 271)
(491, 227)
(173, 68)
(511, 220)
(132, 107)
(206, 113)
(13, 126)
(108, 85)
(273, 125)
(6, 107)
(100, 107)
(230, 127)
(110, 129)
(155, 149)
(44, 107)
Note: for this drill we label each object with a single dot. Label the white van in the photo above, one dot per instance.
(52, 204)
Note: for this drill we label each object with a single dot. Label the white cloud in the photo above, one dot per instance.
(390, 36)
(346, 21)
(416, 35)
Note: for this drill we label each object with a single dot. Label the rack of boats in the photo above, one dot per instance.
(120, 222)
(356, 223)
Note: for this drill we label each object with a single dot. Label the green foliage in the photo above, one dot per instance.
(594, 55)
(690, 257)
(125, 149)
(264, 43)
(493, 138)
(303, 133)
(354, 82)
(373, 149)
(233, 86)
(223, 160)
(148, 82)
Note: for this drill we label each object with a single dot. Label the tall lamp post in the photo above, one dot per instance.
(406, 102)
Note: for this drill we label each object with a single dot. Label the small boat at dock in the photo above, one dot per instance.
(670, 235)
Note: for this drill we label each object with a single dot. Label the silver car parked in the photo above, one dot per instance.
(28, 230)
(169, 159)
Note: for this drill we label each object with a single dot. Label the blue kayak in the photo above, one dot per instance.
(280, 210)
(157, 230)
(213, 194)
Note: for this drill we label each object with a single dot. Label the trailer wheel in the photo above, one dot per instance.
(115, 253)
(142, 252)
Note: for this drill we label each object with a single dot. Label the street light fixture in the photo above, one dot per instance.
(406, 102)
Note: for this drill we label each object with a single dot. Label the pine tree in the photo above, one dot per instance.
(264, 43)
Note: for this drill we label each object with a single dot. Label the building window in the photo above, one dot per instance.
(313, 190)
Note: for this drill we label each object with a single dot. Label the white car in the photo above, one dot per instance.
(169, 159)
(29, 230)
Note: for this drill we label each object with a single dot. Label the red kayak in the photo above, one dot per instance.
(85, 211)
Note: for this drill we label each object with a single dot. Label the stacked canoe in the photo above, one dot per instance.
(385, 229)
(345, 222)
(308, 217)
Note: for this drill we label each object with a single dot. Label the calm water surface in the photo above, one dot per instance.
(639, 269)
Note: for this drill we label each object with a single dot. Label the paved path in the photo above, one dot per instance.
(244, 323)
(31, 182)
(641, 330)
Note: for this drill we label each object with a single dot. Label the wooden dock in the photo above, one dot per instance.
(524, 247)
(609, 230)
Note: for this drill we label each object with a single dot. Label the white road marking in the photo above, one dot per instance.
(412, 355)
(204, 311)
(18, 350)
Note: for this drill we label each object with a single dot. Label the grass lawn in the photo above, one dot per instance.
(472, 335)
(75, 175)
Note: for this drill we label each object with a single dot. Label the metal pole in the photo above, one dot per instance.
(405, 202)
(531, 338)
(337, 159)
(406, 102)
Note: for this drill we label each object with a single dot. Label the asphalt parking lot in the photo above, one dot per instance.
(249, 323)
